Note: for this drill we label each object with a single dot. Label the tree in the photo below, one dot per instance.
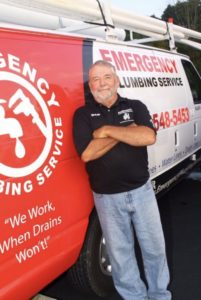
(186, 14)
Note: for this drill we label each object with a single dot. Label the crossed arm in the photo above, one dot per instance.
(106, 137)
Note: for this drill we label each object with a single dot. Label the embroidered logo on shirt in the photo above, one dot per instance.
(95, 115)
(126, 116)
(125, 111)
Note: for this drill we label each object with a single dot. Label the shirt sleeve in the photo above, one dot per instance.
(142, 115)
(82, 131)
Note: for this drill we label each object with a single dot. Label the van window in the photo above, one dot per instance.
(194, 81)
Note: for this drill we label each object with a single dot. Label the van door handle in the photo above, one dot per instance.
(176, 138)
(195, 130)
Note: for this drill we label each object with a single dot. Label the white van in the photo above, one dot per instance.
(47, 217)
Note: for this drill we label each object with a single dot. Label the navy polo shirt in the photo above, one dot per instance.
(124, 167)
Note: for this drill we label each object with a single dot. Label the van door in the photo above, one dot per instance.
(194, 92)
(171, 113)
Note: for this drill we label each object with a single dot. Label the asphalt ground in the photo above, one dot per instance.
(180, 211)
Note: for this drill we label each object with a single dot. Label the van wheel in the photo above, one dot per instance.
(92, 272)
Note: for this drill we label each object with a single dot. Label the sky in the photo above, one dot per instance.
(144, 7)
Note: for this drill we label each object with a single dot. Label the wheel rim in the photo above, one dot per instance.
(104, 261)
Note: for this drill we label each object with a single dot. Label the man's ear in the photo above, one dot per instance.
(118, 81)
(89, 85)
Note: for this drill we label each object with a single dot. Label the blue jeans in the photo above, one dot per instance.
(118, 214)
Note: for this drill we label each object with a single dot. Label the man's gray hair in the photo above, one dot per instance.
(103, 63)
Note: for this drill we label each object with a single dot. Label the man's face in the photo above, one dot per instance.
(103, 83)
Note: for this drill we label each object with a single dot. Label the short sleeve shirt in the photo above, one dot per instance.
(124, 167)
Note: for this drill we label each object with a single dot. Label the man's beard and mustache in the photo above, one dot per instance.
(102, 96)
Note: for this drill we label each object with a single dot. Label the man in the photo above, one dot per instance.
(111, 134)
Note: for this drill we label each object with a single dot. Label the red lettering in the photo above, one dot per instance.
(139, 62)
(105, 55)
(162, 64)
(169, 65)
(155, 63)
(156, 121)
(130, 61)
(119, 60)
(174, 65)
(172, 118)
(147, 63)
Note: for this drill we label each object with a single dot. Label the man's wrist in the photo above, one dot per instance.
(107, 130)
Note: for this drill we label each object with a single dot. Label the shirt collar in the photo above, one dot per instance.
(117, 102)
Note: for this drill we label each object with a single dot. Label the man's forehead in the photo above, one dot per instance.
(100, 70)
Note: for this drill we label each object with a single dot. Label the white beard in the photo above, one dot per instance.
(103, 97)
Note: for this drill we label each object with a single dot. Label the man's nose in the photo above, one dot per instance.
(102, 82)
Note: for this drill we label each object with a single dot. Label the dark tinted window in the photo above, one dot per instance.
(194, 81)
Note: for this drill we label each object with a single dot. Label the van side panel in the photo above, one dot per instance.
(44, 192)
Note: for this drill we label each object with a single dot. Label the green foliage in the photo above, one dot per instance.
(186, 14)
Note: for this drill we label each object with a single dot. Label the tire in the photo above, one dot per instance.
(92, 272)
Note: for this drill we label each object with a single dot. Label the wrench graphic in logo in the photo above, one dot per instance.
(23, 105)
(12, 127)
